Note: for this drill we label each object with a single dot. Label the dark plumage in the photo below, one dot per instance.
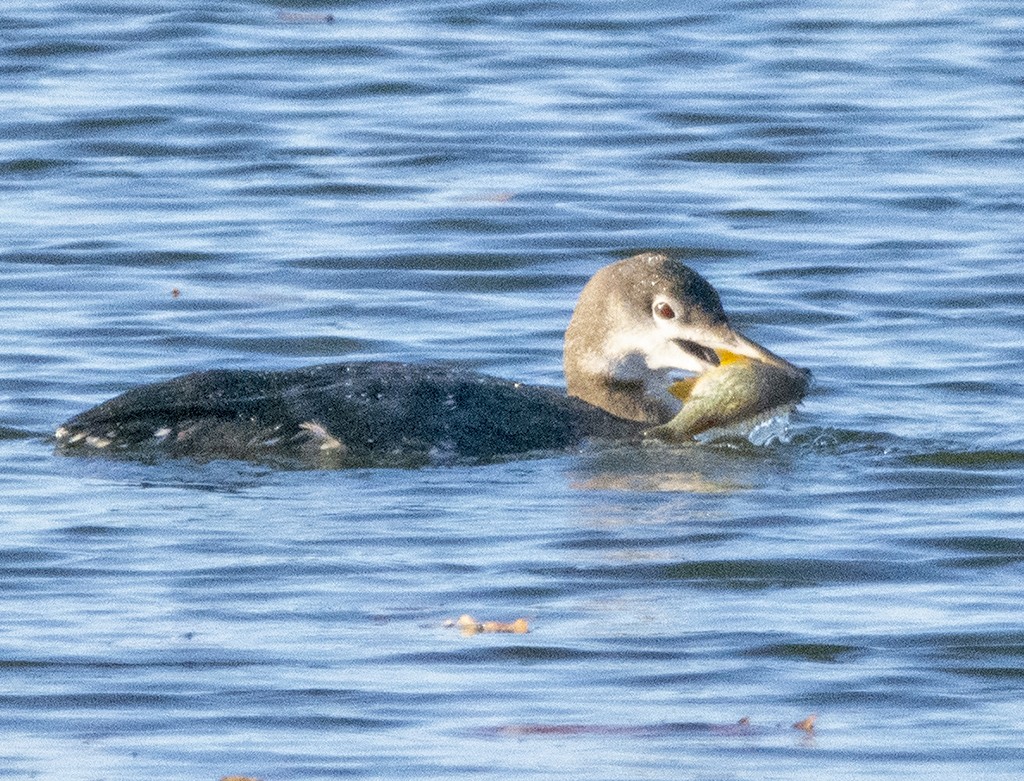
(371, 413)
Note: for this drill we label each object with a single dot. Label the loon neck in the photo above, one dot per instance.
(605, 370)
(626, 399)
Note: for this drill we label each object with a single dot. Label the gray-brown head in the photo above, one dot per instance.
(638, 325)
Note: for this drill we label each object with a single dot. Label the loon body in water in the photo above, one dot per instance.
(638, 324)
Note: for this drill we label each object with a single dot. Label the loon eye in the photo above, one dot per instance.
(664, 310)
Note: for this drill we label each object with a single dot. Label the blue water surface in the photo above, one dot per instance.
(260, 184)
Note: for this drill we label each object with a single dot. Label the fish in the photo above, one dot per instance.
(738, 389)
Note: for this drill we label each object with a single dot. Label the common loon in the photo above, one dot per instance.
(638, 324)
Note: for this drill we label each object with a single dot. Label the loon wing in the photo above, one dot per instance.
(338, 414)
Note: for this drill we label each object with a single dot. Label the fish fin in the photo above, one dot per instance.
(682, 389)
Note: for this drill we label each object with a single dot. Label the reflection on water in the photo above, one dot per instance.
(656, 466)
(656, 481)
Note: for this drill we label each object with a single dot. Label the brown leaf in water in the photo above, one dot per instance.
(807, 725)
(470, 626)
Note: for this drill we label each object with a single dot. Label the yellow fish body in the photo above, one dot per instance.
(738, 389)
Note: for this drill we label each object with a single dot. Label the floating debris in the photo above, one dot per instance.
(301, 17)
(807, 725)
(470, 626)
(742, 728)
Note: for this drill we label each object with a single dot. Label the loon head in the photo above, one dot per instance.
(641, 323)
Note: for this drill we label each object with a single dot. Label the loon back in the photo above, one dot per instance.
(348, 414)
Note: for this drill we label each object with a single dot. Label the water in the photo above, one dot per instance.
(437, 180)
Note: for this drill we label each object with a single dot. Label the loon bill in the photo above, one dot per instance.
(639, 324)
